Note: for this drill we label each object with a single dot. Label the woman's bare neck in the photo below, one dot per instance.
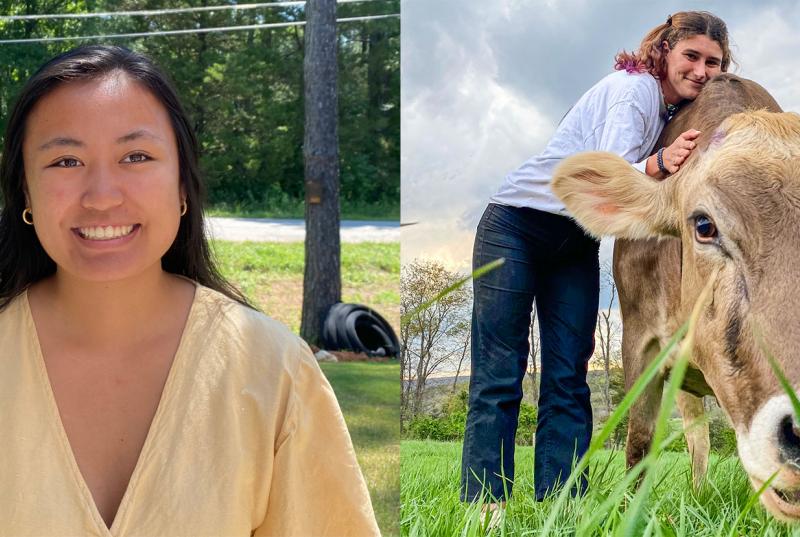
(110, 315)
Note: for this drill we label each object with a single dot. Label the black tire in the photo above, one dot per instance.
(360, 329)
(332, 337)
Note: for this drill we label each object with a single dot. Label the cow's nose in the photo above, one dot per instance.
(789, 440)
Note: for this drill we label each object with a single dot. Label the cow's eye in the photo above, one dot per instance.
(704, 229)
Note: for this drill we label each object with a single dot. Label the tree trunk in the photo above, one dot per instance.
(322, 286)
(467, 341)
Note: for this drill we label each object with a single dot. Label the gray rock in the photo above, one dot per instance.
(325, 356)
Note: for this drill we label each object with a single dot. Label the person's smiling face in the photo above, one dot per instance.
(692, 63)
(102, 178)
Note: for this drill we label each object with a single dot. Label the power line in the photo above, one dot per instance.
(150, 12)
(190, 31)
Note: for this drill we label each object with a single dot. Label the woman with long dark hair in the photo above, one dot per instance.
(141, 393)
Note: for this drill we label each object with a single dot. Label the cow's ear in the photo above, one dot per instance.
(607, 196)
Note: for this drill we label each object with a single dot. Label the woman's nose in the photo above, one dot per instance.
(102, 190)
(701, 72)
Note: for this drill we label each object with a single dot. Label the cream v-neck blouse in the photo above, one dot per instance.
(247, 440)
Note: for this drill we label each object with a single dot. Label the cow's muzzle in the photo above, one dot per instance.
(770, 449)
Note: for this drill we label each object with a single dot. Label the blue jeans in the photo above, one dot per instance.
(551, 261)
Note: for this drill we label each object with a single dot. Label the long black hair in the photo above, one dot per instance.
(23, 261)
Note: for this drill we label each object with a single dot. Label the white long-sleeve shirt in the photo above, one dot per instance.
(623, 113)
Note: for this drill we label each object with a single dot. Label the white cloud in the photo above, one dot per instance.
(767, 45)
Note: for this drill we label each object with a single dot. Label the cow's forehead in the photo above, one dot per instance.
(751, 147)
(751, 174)
(759, 134)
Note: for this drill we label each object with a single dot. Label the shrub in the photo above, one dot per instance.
(450, 424)
(528, 417)
(723, 438)
(679, 444)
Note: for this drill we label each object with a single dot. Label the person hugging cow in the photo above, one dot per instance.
(552, 263)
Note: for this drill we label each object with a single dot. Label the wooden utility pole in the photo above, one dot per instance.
(322, 282)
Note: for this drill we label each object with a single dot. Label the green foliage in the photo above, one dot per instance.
(679, 444)
(450, 424)
(244, 92)
(526, 428)
(620, 433)
(447, 426)
(436, 428)
(723, 437)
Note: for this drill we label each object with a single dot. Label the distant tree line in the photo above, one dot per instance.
(244, 90)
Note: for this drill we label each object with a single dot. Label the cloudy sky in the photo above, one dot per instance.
(484, 83)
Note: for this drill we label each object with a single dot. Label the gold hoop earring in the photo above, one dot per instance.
(30, 215)
(184, 207)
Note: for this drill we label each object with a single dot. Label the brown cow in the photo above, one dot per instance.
(733, 209)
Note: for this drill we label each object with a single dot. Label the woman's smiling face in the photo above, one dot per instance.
(102, 178)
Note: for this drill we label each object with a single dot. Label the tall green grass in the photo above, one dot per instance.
(429, 491)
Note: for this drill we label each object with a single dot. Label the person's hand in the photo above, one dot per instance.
(677, 153)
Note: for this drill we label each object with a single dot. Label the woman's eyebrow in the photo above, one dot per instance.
(140, 133)
(61, 141)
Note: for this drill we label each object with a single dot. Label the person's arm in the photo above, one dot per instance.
(623, 134)
(317, 488)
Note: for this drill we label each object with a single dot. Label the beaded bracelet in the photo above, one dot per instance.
(660, 162)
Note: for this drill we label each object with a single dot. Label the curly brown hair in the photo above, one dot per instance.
(650, 56)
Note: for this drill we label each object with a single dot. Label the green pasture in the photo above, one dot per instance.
(271, 274)
(429, 491)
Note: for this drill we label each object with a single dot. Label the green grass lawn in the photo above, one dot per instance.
(271, 274)
(369, 395)
(429, 487)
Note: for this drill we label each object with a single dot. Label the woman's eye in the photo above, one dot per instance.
(67, 163)
(704, 229)
(136, 157)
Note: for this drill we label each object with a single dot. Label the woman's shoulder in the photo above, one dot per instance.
(639, 90)
(246, 331)
(13, 314)
(627, 83)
